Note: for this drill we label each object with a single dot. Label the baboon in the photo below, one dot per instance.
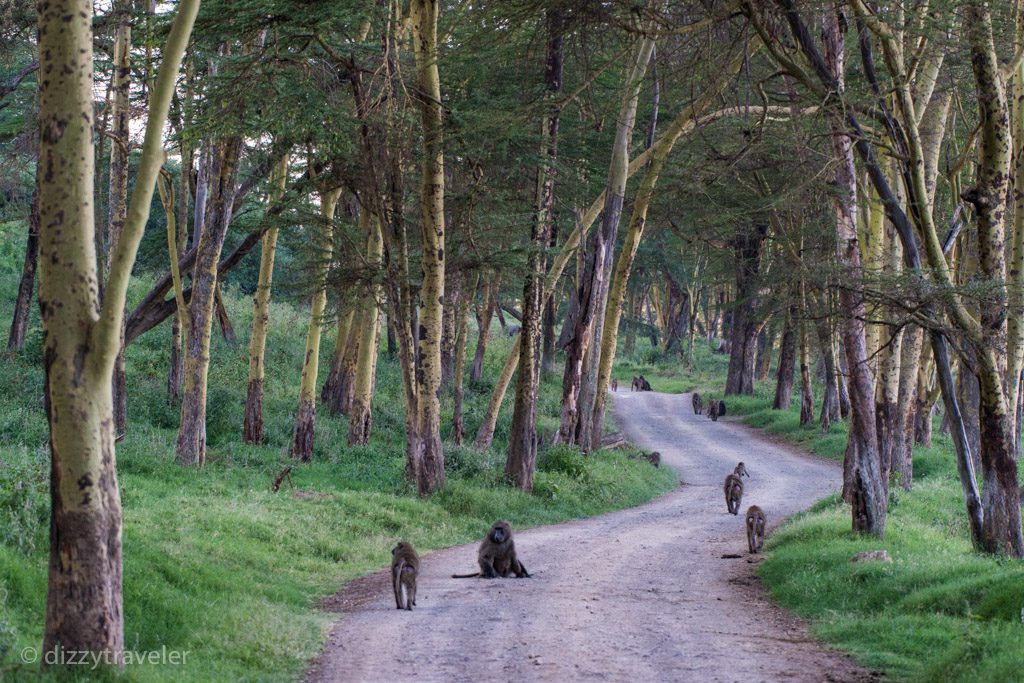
(733, 493)
(698, 403)
(741, 470)
(721, 409)
(755, 528)
(644, 384)
(615, 384)
(713, 410)
(497, 555)
(405, 564)
(636, 384)
(654, 458)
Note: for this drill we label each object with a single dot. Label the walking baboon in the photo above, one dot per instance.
(713, 410)
(497, 555)
(405, 564)
(654, 458)
(698, 403)
(741, 470)
(615, 384)
(636, 384)
(733, 493)
(755, 528)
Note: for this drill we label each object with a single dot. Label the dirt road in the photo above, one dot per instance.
(638, 595)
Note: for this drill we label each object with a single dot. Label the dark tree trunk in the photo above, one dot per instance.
(488, 304)
(227, 330)
(23, 304)
(787, 361)
(749, 249)
(522, 447)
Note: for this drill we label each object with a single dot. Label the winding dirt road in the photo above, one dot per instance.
(637, 595)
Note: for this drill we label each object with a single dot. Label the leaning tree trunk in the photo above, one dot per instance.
(191, 441)
(868, 493)
(428, 460)
(485, 434)
(361, 414)
(252, 426)
(305, 413)
(522, 446)
(81, 337)
(19, 321)
(175, 366)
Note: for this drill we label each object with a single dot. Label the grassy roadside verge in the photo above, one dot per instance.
(217, 566)
(938, 612)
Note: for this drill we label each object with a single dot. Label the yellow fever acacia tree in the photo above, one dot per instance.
(82, 335)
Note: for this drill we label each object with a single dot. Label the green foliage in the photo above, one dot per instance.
(568, 460)
(216, 564)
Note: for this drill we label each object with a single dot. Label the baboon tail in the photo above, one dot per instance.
(466, 576)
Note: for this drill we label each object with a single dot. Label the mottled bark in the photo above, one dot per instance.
(458, 428)
(191, 441)
(868, 499)
(252, 425)
(361, 414)
(305, 413)
(522, 449)
(335, 393)
(427, 462)
(81, 338)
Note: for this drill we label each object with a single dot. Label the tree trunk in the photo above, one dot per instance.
(191, 442)
(305, 413)
(787, 361)
(453, 292)
(118, 186)
(868, 492)
(428, 463)
(522, 446)
(227, 330)
(765, 347)
(175, 369)
(458, 429)
(19, 321)
(748, 246)
(81, 338)
(332, 394)
(830, 401)
(361, 415)
(252, 427)
(488, 302)
(485, 434)
(905, 409)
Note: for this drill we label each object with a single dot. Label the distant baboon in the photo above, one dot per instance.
(741, 470)
(721, 409)
(698, 403)
(644, 384)
(615, 384)
(755, 528)
(405, 564)
(497, 555)
(654, 458)
(713, 410)
(733, 493)
(636, 384)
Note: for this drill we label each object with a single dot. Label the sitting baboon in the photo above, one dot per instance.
(636, 384)
(497, 555)
(405, 564)
(698, 403)
(654, 458)
(644, 384)
(721, 408)
(755, 528)
(733, 493)
(713, 410)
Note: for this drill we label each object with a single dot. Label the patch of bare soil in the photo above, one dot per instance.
(664, 592)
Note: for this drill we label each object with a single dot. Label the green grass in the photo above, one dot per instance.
(217, 565)
(938, 612)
